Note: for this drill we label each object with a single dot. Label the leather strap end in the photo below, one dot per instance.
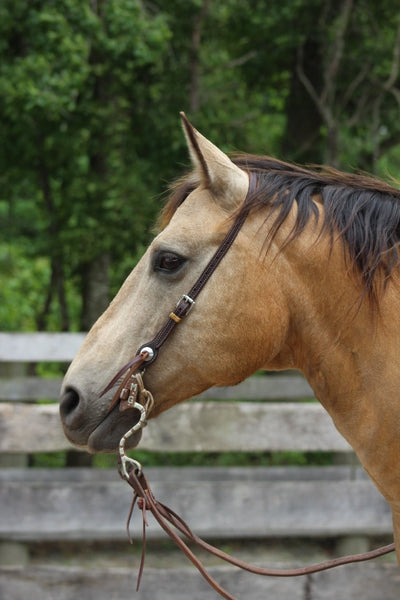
(132, 367)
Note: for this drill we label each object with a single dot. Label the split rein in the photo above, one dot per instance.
(172, 523)
(132, 394)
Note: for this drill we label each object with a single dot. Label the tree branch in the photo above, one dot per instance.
(355, 84)
(238, 62)
(338, 46)
(389, 83)
(195, 58)
(358, 111)
(322, 108)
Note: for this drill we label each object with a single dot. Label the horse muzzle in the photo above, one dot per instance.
(92, 429)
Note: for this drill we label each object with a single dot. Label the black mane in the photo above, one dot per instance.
(363, 211)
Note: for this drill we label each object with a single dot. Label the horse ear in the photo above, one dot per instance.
(217, 172)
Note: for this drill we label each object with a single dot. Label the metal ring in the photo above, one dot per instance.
(125, 461)
(149, 351)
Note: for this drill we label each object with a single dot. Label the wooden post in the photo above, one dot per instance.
(350, 544)
(13, 553)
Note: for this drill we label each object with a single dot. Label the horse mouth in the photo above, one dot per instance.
(107, 435)
(96, 428)
(103, 436)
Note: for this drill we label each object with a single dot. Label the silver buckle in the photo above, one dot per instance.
(189, 300)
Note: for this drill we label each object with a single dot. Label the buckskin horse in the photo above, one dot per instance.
(308, 280)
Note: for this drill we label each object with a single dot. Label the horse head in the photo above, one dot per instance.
(227, 336)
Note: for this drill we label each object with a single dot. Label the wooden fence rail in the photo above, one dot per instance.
(262, 414)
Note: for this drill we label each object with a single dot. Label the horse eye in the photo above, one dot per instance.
(168, 262)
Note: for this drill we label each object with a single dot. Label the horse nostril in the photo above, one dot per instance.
(69, 405)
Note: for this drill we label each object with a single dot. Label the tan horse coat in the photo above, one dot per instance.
(275, 306)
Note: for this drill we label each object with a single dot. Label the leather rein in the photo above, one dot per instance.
(132, 394)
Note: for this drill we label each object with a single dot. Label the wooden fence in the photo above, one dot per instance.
(79, 505)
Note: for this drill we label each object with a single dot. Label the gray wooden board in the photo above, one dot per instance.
(119, 584)
(35, 347)
(276, 387)
(244, 426)
(62, 347)
(29, 389)
(227, 507)
(192, 426)
(179, 474)
(370, 581)
(288, 386)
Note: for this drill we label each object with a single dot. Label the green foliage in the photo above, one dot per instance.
(225, 459)
(195, 459)
(72, 82)
(23, 278)
(49, 460)
(89, 101)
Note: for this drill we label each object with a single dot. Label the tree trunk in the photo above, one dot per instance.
(95, 289)
(57, 282)
(95, 298)
(302, 140)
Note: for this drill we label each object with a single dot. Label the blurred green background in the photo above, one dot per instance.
(90, 92)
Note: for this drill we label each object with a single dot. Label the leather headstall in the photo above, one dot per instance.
(148, 352)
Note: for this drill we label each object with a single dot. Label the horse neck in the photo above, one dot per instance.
(349, 353)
